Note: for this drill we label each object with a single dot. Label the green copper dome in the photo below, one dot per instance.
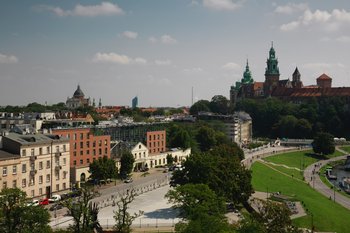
(247, 75)
(272, 63)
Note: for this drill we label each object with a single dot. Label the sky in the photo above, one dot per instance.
(159, 50)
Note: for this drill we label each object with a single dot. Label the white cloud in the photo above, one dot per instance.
(231, 66)
(153, 40)
(329, 21)
(130, 34)
(8, 59)
(163, 62)
(322, 67)
(343, 39)
(291, 8)
(105, 8)
(167, 39)
(164, 39)
(228, 5)
(117, 59)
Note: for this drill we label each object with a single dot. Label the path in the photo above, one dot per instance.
(311, 175)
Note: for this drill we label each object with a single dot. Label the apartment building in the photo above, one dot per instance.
(85, 148)
(36, 163)
(156, 141)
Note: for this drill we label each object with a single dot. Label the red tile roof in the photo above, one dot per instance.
(324, 77)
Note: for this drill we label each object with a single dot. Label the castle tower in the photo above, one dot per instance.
(247, 75)
(296, 82)
(272, 73)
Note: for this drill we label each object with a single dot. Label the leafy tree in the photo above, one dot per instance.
(323, 144)
(103, 169)
(220, 104)
(178, 136)
(205, 138)
(16, 216)
(84, 212)
(121, 215)
(169, 159)
(126, 163)
(200, 106)
(275, 217)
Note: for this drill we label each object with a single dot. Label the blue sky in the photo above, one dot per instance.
(160, 49)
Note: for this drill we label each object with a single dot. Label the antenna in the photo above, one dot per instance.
(192, 97)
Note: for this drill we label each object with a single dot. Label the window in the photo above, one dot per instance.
(87, 160)
(94, 144)
(154, 137)
(40, 165)
(47, 164)
(94, 152)
(87, 152)
(74, 162)
(57, 187)
(57, 174)
(81, 161)
(81, 136)
(144, 154)
(106, 142)
(4, 184)
(64, 175)
(75, 136)
(14, 169)
(81, 144)
(99, 151)
(93, 159)
(57, 148)
(81, 152)
(23, 152)
(64, 186)
(158, 136)
(32, 152)
(47, 178)
(24, 168)
(40, 179)
(75, 145)
(48, 149)
(40, 191)
(87, 136)
(14, 184)
(105, 151)
(64, 148)
(64, 161)
(99, 143)
(87, 144)
(150, 137)
(74, 153)
(40, 151)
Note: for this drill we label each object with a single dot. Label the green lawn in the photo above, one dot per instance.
(298, 159)
(346, 148)
(327, 215)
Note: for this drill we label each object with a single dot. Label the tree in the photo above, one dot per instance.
(121, 215)
(16, 216)
(169, 159)
(103, 169)
(201, 207)
(205, 138)
(323, 144)
(200, 106)
(126, 163)
(83, 211)
(275, 217)
(220, 104)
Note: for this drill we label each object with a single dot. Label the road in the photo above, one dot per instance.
(311, 175)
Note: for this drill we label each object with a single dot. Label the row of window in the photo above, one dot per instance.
(93, 152)
(24, 184)
(32, 167)
(144, 155)
(154, 144)
(88, 144)
(41, 150)
(82, 161)
(156, 136)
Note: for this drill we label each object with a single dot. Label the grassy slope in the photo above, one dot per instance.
(328, 216)
(346, 148)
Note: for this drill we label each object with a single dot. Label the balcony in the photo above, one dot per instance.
(58, 167)
(33, 172)
(32, 158)
(58, 154)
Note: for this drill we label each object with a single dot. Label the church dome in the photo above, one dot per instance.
(78, 93)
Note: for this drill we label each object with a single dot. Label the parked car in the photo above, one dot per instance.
(128, 180)
(34, 202)
(55, 198)
(44, 201)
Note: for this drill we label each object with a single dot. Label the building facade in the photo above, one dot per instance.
(78, 99)
(85, 148)
(38, 164)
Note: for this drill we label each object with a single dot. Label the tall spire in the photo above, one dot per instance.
(272, 62)
(247, 75)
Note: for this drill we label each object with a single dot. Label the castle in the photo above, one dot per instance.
(283, 89)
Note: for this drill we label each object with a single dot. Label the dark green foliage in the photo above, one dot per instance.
(126, 163)
(206, 138)
(298, 120)
(178, 137)
(323, 144)
(169, 159)
(16, 216)
(220, 104)
(200, 106)
(103, 169)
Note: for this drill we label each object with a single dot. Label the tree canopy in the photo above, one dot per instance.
(323, 144)
(126, 163)
(103, 169)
